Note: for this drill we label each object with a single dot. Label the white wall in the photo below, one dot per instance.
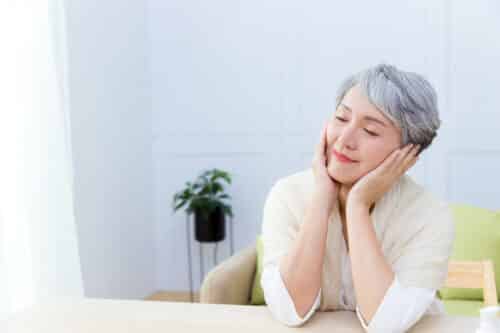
(161, 90)
(245, 86)
(111, 135)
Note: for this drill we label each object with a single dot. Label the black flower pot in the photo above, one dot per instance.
(212, 229)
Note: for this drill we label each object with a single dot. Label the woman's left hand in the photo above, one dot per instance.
(371, 187)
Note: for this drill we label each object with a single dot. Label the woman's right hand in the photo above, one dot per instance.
(326, 188)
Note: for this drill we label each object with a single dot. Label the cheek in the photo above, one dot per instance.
(375, 154)
(331, 135)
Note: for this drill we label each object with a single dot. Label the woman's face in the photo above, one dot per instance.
(358, 130)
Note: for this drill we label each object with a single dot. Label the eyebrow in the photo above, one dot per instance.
(366, 117)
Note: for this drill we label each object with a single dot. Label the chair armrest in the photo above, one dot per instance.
(231, 281)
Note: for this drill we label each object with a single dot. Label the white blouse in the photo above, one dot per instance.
(400, 309)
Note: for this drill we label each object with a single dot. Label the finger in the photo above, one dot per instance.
(417, 150)
(389, 161)
(324, 129)
(406, 150)
(411, 153)
(409, 165)
(412, 163)
(414, 151)
(324, 136)
(393, 163)
(320, 147)
(410, 158)
(403, 153)
(324, 144)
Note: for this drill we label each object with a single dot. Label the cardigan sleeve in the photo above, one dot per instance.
(279, 301)
(400, 309)
(279, 229)
(279, 225)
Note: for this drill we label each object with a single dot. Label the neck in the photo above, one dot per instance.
(342, 198)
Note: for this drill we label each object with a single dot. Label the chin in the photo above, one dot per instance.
(342, 177)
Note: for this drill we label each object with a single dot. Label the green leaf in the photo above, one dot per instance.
(179, 205)
(204, 194)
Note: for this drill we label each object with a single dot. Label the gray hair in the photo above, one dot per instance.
(406, 98)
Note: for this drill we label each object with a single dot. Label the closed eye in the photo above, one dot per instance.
(367, 131)
(371, 133)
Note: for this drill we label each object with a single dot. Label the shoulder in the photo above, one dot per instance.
(293, 190)
(423, 208)
(300, 180)
(424, 201)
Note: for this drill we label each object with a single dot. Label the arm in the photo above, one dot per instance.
(306, 255)
(294, 248)
(278, 299)
(433, 240)
(372, 274)
(299, 248)
(400, 309)
(406, 298)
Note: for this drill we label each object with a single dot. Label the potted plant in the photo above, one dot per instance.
(205, 198)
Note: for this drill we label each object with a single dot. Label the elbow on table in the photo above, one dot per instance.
(287, 314)
(279, 301)
(287, 320)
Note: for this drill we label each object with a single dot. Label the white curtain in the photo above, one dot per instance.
(38, 241)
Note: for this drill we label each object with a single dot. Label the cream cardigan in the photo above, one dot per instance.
(415, 230)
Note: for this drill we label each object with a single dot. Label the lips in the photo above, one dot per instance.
(341, 157)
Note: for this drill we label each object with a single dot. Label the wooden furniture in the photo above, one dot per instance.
(137, 316)
(474, 274)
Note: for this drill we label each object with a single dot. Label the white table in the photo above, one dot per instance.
(104, 315)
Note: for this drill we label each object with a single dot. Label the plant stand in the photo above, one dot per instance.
(202, 272)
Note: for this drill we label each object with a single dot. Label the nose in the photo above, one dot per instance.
(346, 139)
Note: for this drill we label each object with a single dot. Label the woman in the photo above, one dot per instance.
(354, 232)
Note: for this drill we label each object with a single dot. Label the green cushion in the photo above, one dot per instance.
(456, 307)
(257, 292)
(477, 238)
